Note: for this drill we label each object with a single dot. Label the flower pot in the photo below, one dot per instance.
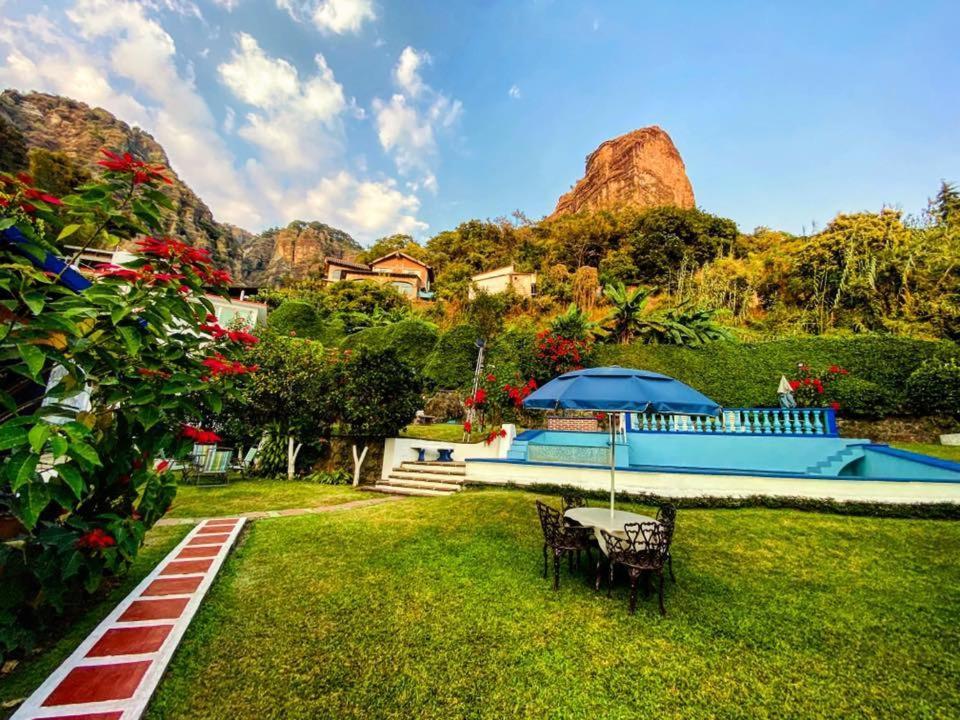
(950, 439)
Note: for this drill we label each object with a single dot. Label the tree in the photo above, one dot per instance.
(394, 243)
(574, 324)
(85, 479)
(56, 172)
(485, 312)
(381, 395)
(630, 318)
(625, 317)
(294, 394)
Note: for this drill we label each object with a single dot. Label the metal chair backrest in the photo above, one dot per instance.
(647, 543)
(250, 456)
(551, 521)
(572, 501)
(667, 517)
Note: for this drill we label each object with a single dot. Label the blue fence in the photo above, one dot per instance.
(745, 421)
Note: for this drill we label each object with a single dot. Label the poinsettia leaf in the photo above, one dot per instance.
(20, 469)
(31, 499)
(12, 435)
(72, 476)
(58, 446)
(82, 451)
(148, 416)
(38, 435)
(131, 338)
(68, 230)
(33, 357)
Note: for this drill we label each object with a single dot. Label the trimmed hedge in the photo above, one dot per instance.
(917, 511)
(454, 357)
(303, 319)
(411, 339)
(746, 374)
(935, 386)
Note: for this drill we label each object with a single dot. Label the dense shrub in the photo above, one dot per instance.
(934, 388)
(444, 405)
(859, 398)
(301, 319)
(412, 340)
(453, 359)
(746, 374)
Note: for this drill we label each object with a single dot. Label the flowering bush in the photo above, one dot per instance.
(559, 355)
(85, 480)
(496, 402)
(813, 389)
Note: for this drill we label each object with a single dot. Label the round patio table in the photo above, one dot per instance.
(600, 519)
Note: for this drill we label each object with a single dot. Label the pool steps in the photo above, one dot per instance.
(426, 479)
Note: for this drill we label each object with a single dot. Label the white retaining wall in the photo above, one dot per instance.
(398, 450)
(693, 485)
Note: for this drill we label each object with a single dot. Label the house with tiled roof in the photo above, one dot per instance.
(406, 274)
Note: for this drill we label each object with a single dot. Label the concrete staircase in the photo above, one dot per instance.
(425, 479)
(833, 464)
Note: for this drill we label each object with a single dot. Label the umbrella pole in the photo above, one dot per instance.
(613, 462)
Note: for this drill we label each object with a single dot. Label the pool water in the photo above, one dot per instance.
(795, 456)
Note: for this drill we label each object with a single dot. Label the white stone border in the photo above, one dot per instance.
(133, 707)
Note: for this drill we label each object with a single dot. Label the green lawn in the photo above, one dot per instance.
(435, 608)
(947, 452)
(251, 495)
(443, 432)
(30, 673)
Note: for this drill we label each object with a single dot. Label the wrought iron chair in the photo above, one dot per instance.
(572, 500)
(568, 502)
(561, 539)
(667, 517)
(644, 550)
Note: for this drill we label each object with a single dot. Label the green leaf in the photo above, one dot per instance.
(215, 401)
(21, 468)
(119, 313)
(73, 478)
(38, 435)
(58, 446)
(35, 300)
(68, 230)
(131, 338)
(73, 565)
(33, 498)
(33, 357)
(142, 396)
(148, 416)
(82, 451)
(11, 436)
(6, 223)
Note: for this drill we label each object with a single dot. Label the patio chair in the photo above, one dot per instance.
(561, 539)
(245, 463)
(198, 459)
(644, 550)
(572, 500)
(667, 517)
(214, 464)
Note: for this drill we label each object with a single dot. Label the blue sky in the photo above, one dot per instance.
(379, 116)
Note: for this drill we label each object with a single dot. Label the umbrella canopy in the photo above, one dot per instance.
(617, 389)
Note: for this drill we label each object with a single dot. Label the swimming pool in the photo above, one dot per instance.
(808, 456)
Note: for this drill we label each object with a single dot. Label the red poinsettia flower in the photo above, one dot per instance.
(31, 194)
(835, 405)
(243, 337)
(468, 426)
(95, 539)
(142, 172)
(115, 271)
(199, 436)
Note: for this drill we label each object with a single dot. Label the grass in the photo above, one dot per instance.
(252, 495)
(442, 432)
(30, 673)
(947, 452)
(435, 608)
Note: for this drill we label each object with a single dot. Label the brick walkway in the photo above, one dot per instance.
(113, 673)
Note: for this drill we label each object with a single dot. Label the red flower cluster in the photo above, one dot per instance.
(23, 184)
(468, 426)
(561, 354)
(162, 466)
(218, 365)
(494, 434)
(127, 163)
(477, 400)
(96, 539)
(242, 336)
(519, 393)
(144, 274)
(201, 437)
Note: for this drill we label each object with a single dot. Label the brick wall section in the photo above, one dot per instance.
(583, 424)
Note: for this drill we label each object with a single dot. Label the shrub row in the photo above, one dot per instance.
(919, 511)
(412, 340)
(746, 374)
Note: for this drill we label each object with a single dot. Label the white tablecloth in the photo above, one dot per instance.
(600, 519)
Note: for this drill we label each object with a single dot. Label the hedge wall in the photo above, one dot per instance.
(411, 339)
(303, 319)
(454, 357)
(746, 374)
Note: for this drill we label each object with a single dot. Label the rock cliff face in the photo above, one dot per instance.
(295, 251)
(60, 124)
(640, 169)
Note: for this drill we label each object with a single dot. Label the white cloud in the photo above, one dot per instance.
(331, 16)
(228, 5)
(408, 123)
(115, 54)
(299, 123)
(406, 73)
(514, 92)
(367, 208)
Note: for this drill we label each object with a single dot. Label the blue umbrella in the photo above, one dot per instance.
(617, 389)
